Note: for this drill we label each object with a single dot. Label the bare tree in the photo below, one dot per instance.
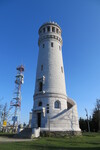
(87, 120)
(1, 107)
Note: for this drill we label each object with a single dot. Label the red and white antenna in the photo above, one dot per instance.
(16, 101)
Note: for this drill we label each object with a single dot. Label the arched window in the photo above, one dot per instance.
(57, 104)
(40, 104)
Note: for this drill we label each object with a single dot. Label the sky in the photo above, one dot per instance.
(80, 23)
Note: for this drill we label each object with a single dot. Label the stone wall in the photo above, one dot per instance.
(60, 133)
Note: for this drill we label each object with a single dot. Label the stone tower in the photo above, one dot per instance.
(53, 110)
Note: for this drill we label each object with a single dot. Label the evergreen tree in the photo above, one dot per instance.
(83, 124)
(96, 116)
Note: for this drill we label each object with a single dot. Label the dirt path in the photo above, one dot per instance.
(6, 139)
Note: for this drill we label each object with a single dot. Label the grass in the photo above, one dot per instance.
(89, 141)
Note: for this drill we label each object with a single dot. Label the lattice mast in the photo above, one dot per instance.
(16, 102)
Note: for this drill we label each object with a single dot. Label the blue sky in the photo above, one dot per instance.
(80, 23)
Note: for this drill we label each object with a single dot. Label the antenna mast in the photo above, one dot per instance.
(16, 101)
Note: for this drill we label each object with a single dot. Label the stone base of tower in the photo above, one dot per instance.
(59, 133)
(62, 121)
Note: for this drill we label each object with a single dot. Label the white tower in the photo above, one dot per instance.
(53, 110)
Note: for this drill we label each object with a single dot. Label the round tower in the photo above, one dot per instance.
(50, 63)
(51, 104)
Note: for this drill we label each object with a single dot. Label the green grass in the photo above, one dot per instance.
(87, 141)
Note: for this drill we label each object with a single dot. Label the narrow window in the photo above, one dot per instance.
(40, 104)
(40, 86)
(48, 28)
(53, 29)
(51, 44)
(59, 48)
(47, 108)
(43, 45)
(47, 111)
(56, 30)
(57, 104)
(61, 69)
(43, 30)
(41, 67)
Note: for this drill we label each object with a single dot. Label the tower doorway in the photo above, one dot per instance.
(39, 119)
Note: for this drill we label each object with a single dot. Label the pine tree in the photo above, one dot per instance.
(96, 116)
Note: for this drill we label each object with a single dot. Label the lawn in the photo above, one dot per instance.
(87, 141)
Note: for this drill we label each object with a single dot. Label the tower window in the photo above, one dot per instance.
(61, 69)
(56, 30)
(48, 28)
(57, 104)
(59, 48)
(47, 111)
(43, 30)
(53, 29)
(43, 45)
(40, 104)
(41, 67)
(40, 86)
(47, 108)
(51, 44)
